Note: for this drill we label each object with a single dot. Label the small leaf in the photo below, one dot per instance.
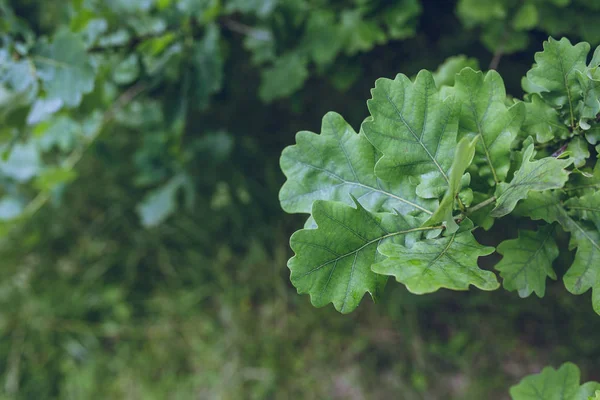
(283, 78)
(333, 262)
(584, 274)
(526, 18)
(160, 203)
(555, 73)
(446, 73)
(65, 68)
(586, 207)
(127, 70)
(589, 105)
(207, 65)
(23, 162)
(42, 109)
(336, 165)
(579, 152)
(542, 121)
(551, 384)
(547, 173)
(465, 150)
(10, 208)
(447, 262)
(527, 261)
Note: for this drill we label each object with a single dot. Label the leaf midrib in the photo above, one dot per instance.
(367, 244)
(532, 256)
(418, 138)
(345, 182)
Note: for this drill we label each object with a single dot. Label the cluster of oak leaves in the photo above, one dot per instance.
(432, 163)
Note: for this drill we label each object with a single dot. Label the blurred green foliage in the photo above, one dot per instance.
(142, 247)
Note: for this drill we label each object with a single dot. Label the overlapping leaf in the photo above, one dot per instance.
(483, 112)
(465, 150)
(551, 384)
(333, 262)
(584, 274)
(527, 261)
(339, 163)
(586, 207)
(555, 75)
(547, 173)
(447, 262)
(589, 105)
(542, 121)
(412, 126)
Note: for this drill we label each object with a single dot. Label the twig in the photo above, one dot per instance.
(243, 29)
(499, 51)
(561, 150)
(11, 385)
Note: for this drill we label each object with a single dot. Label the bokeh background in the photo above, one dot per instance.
(142, 247)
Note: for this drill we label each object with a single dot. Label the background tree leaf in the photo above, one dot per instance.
(65, 68)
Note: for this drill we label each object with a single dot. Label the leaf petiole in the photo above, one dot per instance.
(479, 206)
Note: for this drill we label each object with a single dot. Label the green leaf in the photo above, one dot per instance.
(412, 126)
(579, 152)
(551, 384)
(465, 150)
(484, 113)
(447, 262)
(555, 74)
(42, 109)
(526, 18)
(322, 39)
(127, 70)
(360, 34)
(207, 66)
(527, 261)
(10, 208)
(18, 75)
(336, 165)
(584, 274)
(333, 262)
(23, 162)
(65, 68)
(542, 121)
(543, 205)
(589, 106)
(160, 203)
(284, 77)
(446, 73)
(586, 207)
(401, 19)
(547, 173)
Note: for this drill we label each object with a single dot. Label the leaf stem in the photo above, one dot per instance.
(479, 206)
